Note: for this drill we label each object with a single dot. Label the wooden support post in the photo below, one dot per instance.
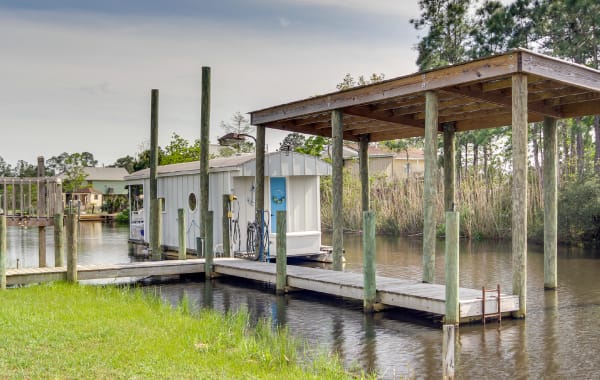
(519, 190)
(364, 171)
(42, 246)
(337, 137)
(281, 279)
(452, 268)
(204, 147)
(208, 245)
(430, 186)
(550, 204)
(449, 166)
(259, 200)
(154, 205)
(226, 219)
(3, 251)
(71, 231)
(41, 172)
(448, 348)
(182, 234)
(370, 288)
(59, 240)
(199, 247)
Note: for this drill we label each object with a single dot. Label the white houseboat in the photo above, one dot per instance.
(292, 184)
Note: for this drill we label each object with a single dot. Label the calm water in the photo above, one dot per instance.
(559, 339)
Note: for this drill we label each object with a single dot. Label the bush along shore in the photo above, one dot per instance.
(67, 331)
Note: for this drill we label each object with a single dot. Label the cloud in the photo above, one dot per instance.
(283, 22)
(50, 58)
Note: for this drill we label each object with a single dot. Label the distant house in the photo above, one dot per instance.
(382, 161)
(106, 180)
(98, 184)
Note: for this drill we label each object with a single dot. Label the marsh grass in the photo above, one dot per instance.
(70, 332)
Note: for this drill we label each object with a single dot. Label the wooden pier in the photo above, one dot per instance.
(391, 292)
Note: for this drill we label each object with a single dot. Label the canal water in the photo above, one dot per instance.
(560, 338)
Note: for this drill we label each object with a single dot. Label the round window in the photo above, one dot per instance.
(192, 201)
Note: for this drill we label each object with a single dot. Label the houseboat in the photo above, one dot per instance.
(292, 184)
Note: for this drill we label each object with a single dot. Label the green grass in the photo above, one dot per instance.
(71, 332)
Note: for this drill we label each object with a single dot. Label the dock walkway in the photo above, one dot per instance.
(393, 292)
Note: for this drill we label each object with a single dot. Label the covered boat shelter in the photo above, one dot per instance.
(515, 88)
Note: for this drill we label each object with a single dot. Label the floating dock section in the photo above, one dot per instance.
(391, 292)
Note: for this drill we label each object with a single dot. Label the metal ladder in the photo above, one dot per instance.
(498, 312)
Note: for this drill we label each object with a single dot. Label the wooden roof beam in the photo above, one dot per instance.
(388, 117)
(502, 100)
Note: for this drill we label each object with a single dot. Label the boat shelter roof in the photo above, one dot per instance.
(472, 95)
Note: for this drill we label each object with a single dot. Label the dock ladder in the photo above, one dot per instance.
(498, 312)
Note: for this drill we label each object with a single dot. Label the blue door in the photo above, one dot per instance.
(278, 200)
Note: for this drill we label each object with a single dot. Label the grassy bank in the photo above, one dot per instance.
(69, 331)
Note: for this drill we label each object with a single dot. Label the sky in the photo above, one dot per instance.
(76, 75)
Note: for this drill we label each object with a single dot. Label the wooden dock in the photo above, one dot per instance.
(392, 292)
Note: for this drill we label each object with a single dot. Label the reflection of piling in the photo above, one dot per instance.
(448, 349)
(71, 231)
(182, 235)
(370, 290)
(281, 280)
(208, 245)
(3, 251)
(58, 240)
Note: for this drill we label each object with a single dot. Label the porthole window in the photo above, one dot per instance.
(192, 201)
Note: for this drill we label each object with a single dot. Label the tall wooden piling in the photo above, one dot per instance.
(181, 234)
(430, 187)
(550, 204)
(204, 147)
(154, 205)
(208, 246)
(452, 268)
(364, 172)
(71, 232)
(368, 237)
(519, 190)
(337, 137)
(226, 219)
(449, 166)
(448, 351)
(259, 200)
(59, 240)
(41, 172)
(281, 279)
(3, 251)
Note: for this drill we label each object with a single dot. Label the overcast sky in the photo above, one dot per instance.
(76, 75)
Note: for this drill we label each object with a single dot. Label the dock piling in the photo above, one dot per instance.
(281, 279)
(182, 234)
(71, 231)
(452, 268)
(155, 212)
(208, 245)
(226, 237)
(59, 240)
(370, 289)
(550, 204)
(337, 137)
(430, 187)
(204, 147)
(3, 251)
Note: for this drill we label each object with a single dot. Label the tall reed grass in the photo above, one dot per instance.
(485, 204)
